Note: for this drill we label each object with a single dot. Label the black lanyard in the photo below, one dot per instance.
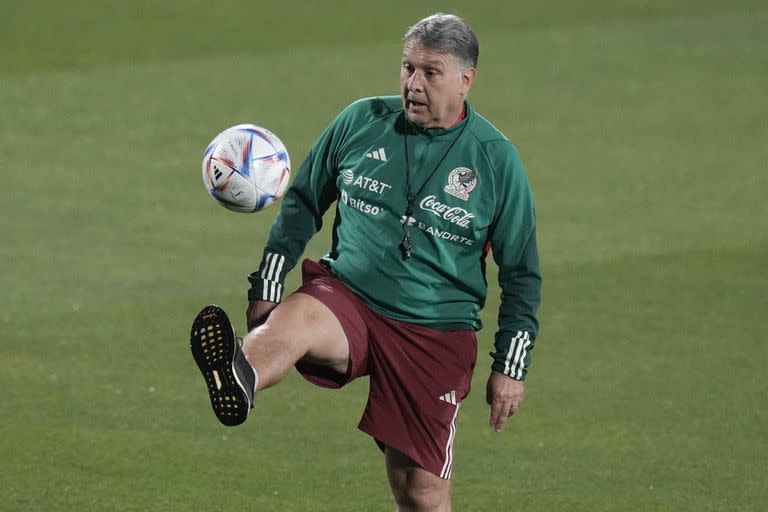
(406, 220)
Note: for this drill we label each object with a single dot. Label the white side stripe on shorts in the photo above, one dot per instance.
(445, 473)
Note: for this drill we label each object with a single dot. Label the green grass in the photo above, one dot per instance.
(644, 131)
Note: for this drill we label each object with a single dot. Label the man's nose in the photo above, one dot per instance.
(416, 82)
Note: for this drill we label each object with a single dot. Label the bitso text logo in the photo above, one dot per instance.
(359, 204)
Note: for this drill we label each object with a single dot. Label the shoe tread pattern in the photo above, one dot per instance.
(213, 345)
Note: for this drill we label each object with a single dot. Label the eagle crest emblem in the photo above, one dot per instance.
(461, 182)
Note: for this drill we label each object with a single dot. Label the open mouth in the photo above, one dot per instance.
(416, 104)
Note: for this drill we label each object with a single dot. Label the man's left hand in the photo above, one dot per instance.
(505, 396)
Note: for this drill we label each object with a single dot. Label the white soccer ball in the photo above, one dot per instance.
(246, 168)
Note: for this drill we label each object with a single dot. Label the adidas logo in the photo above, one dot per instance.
(377, 155)
(449, 397)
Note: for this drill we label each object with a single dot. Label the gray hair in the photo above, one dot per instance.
(447, 34)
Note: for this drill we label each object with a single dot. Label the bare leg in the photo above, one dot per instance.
(414, 488)
(301, 327)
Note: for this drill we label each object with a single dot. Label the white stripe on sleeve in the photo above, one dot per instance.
(512, 350)
(272, 263)
(276, 277)
(520, 360)
(270, 273)
(266, 266)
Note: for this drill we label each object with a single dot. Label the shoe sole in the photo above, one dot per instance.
(213, 344)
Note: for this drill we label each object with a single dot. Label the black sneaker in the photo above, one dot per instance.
(227, 373)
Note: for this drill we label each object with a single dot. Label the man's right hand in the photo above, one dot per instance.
(257, 313)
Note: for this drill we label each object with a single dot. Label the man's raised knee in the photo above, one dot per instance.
(414, 488)
(422, 498)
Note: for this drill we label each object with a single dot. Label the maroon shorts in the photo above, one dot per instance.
(418, 375)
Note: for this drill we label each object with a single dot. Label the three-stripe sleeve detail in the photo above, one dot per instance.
(271, 273)
(514, 363)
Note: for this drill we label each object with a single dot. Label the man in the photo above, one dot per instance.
(424, 187)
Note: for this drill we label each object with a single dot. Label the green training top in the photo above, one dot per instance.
(469, 194)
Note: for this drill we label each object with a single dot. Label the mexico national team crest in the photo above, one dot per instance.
(461, 181)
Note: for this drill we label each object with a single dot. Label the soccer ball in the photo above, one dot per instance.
(246, 168)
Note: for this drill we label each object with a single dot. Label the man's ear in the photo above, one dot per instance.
(467, 77)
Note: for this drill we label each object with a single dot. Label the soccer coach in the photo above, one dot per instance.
(424, 189)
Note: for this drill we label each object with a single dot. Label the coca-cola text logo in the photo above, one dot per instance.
(453, 214)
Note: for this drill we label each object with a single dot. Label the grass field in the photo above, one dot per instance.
(644, 129)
